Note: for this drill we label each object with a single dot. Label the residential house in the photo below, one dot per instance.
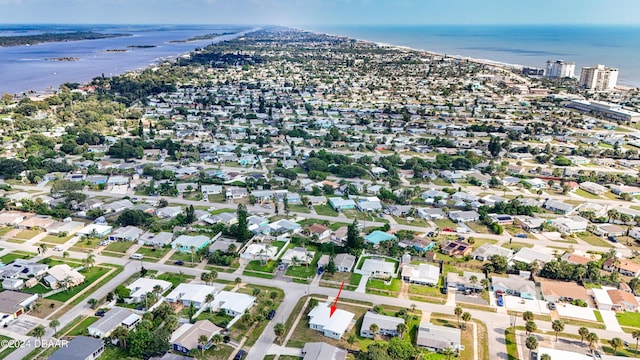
(320, 231)
(344, 262)
(456, 248)
(571, 224)
(368, 204)
(140, 287)
(233, 303)
(187, 336)
(437, 338)
(112, 319)
(188, 294)
(463, 282)
(80, 348)
(285, 226)
(555, 291)
(127, 233)
(236, 193)
(117, 206)
(339, 204)
(378, 268)
(529, 223)
(378, 236)
(623, 301)
(485, 251)
(322, 351)
(623, 266)
(185, 243)
(157, 240)
(14, 304)
(387, 325)
(63, 275)
(168, 212)
(332, 326)
(423, 274)
(259, 251)
(207, 190)
(502, 219)
(516, 286)
(23, 268)
(536, 183)
(607, 230)
(529, 255)
(13, 218)
(301, 256)
(431, 213)
(36, 222)
(557, 206)
(464, 216)
(593, 188)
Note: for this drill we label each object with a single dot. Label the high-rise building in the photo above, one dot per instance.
(599, 77)
(560, 69)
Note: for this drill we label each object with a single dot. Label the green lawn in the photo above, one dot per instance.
(174, 278)
(54, 239)
(631, 319)
(81, 328)
(150, 252)
(186, 257)
(417, 221)
(5, 259)
(256, 265)
(426, 291)
(586, 194)
(5, 230)
(594, 240)
(299, 208)
(91, 276)
(86, 244)
(394, 286)
(27, 234)
(325, 210)
(516, 245)
(445, 223)
(220, 319)
(119, 246)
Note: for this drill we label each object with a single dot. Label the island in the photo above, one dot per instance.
(115, 50)
(141, 46)
(63, 59)
(55, 37)
(203, 37)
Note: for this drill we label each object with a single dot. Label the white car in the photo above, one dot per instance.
(58, 248)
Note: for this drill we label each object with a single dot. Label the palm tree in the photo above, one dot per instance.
(374, 330)
(238, 280)
(401, 329)
(214, 275)
(530, 327)
(527, 316)
(473, 280)
(278, 329)
(532, 344)
(208, 299)
(636, 335)
(192, 250)
(557, 326)
(65, 254)
(352, 339)
(583, 332)
(545, 357)
(42, 248)
(466, 317)
(592, 338)
(448, 352)
(485, 283)
(206, 277)
(120, 334)
(203, 340)
(90, 260)
(458, 311)
(616, 343)
(217, 339)
(54, 325)
(38, 332)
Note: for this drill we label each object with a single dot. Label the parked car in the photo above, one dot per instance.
(552, 306)
(522, 235)
(100, 313)
(271, 314)
(178, 262)
(57, 248)
(448, 230)
(320, 270)
(240, 355)
(226, 339)
(613, 239)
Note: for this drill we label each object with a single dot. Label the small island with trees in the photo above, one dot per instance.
(55, 37)
(141, 46)
(66, 58)
(202, 37)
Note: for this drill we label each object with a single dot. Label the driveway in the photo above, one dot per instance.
(362, 287)
(610, 321)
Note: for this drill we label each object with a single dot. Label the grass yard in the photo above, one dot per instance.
(359, 215)
(16, 241)
(479, 228)
(299, 209)
(91, 276)
(174, 278)
(85, 245)
(325, 210)
(81, 328)
(9, 349)
(426, 291)
(5, 230)
(152, 253)
(376, 286)
(220, 319)
(516, 245)
(417, 221)
(466, 336)
(54, 239)
(445, 223)
(220, 211)
(119, 246)
(27, 234)
(186, 257)
(512, 346)
(481, 241)
(631, 319)
(594, 240)
(586, 194)
(256, 265)
(5, 259)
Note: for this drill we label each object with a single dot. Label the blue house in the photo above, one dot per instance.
(342, 204)
(184, 243)
(378, 236)
(516, 286)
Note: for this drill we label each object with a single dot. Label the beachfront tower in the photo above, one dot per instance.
(598, 78)
(560, 69)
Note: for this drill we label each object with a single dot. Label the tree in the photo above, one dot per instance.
(458, 312)
(42, 249)
(494, 146)
(400, 349)
(120, 335)
(636, 335)
(203, 340)
(208, 299)
(545, 357)
(473, 280)
(527, 316)
(616, 343)
(592, 338)
(242, 226)
(531, 343)
(38, 332)
(530, 327)
(485, 283)
(189, 216)
(54, 325)
(65, 254)
(216, 339)
(374, 330)
(355, 242)
(278, 329)
(89, 261)
(92, 303)
(448, 352)
(466, 317)
(557, 326)
(238, 280)
(192, 250)
(583, 332)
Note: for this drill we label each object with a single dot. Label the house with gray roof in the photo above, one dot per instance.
(437, 338)
(80, 348)
(387, 325)
(127, 233)
(159, 239)
(557, 206)
(485, 251)
(322, 351)
(112, 319)
(515, 285)
(344, 262)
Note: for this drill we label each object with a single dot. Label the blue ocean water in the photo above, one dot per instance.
(614, 46)
(24, 68)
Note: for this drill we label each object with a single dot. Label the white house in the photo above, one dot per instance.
(571, 224)
(188, 294)
(387, 325)
(232, 303)
(60, 273)
(423, 274)
(303, 256)
(437, 338)
(112, 319)
(335, 326)
(142, 286)
(259, 251)
(344, 262)
(378, 268)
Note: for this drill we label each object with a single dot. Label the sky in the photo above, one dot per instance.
(321, 12)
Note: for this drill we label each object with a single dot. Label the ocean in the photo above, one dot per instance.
(614, 46)
(24, 68)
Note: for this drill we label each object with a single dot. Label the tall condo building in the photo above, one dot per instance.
(599, 77)
(560, 69)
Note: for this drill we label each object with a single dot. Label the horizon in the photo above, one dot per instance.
(319, 12)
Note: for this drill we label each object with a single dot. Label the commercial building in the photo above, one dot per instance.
(560, 69)
(606, 109)
(599, 78)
